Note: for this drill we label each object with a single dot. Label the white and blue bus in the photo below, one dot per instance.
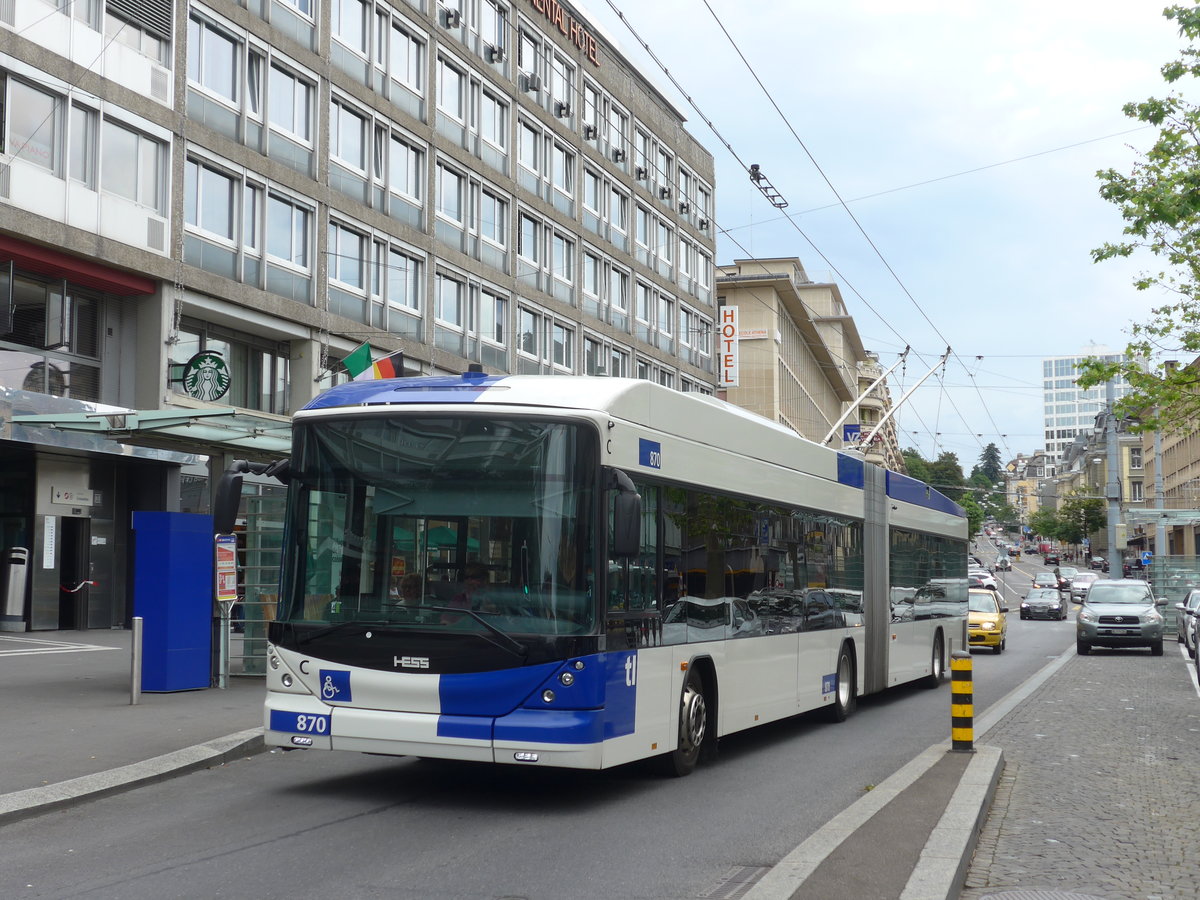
(582, 572)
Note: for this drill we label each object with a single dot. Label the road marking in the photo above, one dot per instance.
(36, 646)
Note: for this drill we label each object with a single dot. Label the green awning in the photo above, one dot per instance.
(200, 431)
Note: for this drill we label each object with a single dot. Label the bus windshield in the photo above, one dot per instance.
(441, 523)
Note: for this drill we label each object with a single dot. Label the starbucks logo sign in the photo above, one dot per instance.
(206, 376)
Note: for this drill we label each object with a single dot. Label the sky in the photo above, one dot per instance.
(893, 101)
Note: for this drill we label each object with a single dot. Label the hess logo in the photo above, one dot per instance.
(410, 662)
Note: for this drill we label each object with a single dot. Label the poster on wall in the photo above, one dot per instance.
(49, 540)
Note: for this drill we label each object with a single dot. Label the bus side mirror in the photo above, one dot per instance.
(225, 503)
(627, 516)
(627, 525)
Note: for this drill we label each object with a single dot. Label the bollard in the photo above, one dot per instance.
(962, 702)
(135, 663)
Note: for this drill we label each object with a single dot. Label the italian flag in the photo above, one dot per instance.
(361, 368)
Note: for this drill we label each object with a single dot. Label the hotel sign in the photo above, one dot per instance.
(727, 353)
(569, 27)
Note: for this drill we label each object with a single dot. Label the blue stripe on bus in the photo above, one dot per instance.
(918, 493)
(600, 703)
(465, 388)
(850, 470)
(490, 693)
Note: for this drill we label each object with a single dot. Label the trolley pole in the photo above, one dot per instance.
(962, 702)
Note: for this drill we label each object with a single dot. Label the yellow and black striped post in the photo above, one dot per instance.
(962, 703)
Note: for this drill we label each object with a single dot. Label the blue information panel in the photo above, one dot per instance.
(650, 453)
(299, 723)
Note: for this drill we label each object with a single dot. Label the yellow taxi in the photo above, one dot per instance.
(986, 622)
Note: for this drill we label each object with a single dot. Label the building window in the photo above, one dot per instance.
(83, 145)
(348, 22)
(563, 347)
(493, 218)
(451, 91)
(493, 317)
(213, 60)
(1135, 457)
(291, 104)
(529, 239)
(131, 165)
(406, 57)
(450, 292)
(347, 137)
(34, 126)
(450, 194)
(347, 264)
(1135, 490)
(288, 231)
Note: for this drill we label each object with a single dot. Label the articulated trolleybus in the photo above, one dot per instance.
(582, 572)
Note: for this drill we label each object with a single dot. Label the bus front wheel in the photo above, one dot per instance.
(693, 727)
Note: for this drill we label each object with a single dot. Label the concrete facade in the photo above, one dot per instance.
(280, 181)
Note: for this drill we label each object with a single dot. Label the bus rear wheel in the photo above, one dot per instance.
(937, 664)
(845, 694)
(693, 727)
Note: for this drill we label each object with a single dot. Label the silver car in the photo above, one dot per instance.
(1185, 623)
(1119, 613)
(1081, 582)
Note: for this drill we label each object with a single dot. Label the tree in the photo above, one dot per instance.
(1079, 517)
(915, 464)
(946, 475)
(1045, 523)
(989, 464)
(974, 514)
(1160, 203)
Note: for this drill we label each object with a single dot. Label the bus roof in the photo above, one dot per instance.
(631, 399)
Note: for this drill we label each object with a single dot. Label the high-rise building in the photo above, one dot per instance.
(205, 205)
(1068, 408)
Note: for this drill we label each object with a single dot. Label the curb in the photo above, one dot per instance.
(35, 801)
(942, 869)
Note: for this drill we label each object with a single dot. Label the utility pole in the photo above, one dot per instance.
(1112, 486)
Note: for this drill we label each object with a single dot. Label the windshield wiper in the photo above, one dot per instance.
(506, 642)
(336, 627)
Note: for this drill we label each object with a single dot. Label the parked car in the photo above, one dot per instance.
(1080, 584)
(1185, 621)
(1003, 564)
(1045, 580)
(1043, 603)
(986, 624)
(1119, 613)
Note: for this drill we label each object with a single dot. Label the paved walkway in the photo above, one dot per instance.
(1098, 795)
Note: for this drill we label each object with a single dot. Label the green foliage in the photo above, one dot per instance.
(1044, 522)
(989, 466)
(915, 465)
(975, 515)
(1160, 203)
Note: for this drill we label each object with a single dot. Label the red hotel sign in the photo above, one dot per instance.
(569, 27)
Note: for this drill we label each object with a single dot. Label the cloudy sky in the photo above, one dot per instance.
(964, 137)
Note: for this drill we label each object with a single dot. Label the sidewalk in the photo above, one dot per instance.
(1091, 764)
(69, 730)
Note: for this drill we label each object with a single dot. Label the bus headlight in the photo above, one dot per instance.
(567, 679)
(548, 695)
(286, 679)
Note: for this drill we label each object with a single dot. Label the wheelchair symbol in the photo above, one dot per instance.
(328, 691)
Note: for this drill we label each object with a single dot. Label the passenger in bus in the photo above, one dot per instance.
(410, 590)
(473, 595)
